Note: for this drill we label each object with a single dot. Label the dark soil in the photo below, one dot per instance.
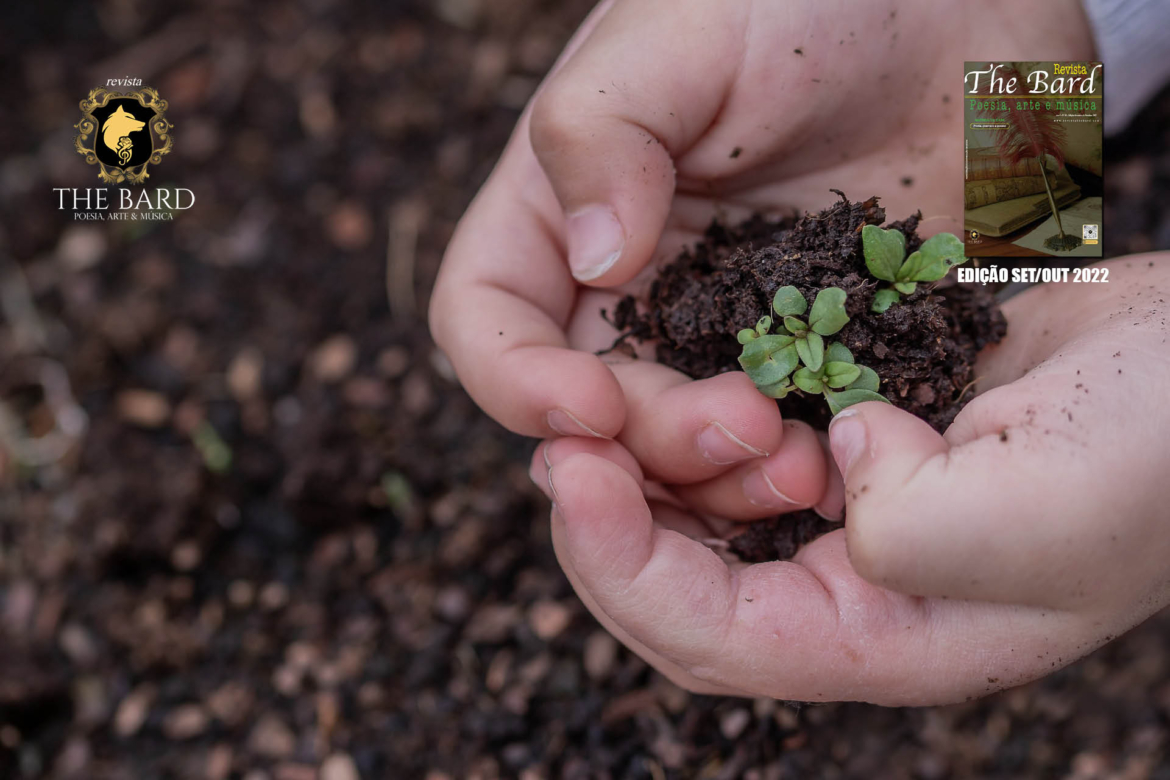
(371, 580)
(778, 538)
(924, 348)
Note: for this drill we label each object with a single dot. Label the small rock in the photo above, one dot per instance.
(77, 643)
(245, 374)
(339, 766)
(302, 655)
(287, 680)
(923, 394)
(19, 603)
(81, 247)
(144, 408)
(73, 759)
(516, 754)
(498, 671)
(350, 226)
(464, 543)
(733, 723)
(600, 654)
(91, 702)
(334, 359)
(219, 763)
(549, 618)
(417, 394)
(186, 555)
(132, 711)
(181, 348)
(366, 393)
(290, 771)
(392, 362)
(370, 694)
(271, 738)
(452, 603)
(9, 736)
(273, 596)
(492, 623)
(231, 702)
(241, 594)
(185, 722)
(532, 672)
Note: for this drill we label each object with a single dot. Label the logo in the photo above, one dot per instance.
(123, 133)
(1089, 234)
(974, 237)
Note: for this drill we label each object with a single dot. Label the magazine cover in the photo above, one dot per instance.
(1032, 167)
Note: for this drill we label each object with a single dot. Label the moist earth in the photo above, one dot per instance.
(923, 348)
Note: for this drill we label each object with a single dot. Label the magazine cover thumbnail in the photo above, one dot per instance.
(1032, 167)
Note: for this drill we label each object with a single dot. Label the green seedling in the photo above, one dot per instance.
(885, 257)
(774, 361)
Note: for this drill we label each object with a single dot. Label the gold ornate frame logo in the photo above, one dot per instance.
(121, 159)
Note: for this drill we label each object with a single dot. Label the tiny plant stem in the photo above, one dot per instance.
(1051, 200)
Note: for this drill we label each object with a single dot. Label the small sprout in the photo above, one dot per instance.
(399, 495)
(826, 318)
(769, 359)
(216, 454)
(885, 257)
(773, 362)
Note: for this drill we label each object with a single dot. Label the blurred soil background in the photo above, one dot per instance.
(286, 545)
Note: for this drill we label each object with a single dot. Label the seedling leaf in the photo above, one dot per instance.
(828, 311)
(884, 299)
(746, 335)
(884, 250)
(789, 302)
(838, 353)
(905, 287)
(795, 326)
(845, 398)
(936, 256)
(808, 381)
(779, 389)
(811, 350)
(768, 359)
(841, 375)
(867, 380)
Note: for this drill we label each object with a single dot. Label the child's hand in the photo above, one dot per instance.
(660, 114)
(1036, 529)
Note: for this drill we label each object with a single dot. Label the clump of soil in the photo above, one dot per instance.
(923, 348)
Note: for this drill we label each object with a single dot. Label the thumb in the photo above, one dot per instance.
(607, 126)
(967, 516)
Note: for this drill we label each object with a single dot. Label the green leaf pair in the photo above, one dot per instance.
(885, 257)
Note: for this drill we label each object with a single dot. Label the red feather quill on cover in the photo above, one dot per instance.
(1029, 133)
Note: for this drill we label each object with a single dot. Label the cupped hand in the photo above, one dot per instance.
(658, 116)
(1036, 529)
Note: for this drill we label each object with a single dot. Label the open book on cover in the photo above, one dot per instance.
(999, 219)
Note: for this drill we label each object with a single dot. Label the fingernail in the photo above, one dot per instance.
(556, 499)
(566, 424)
(595, 239)
(760, 491)
(847, 440)
(720, 446)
